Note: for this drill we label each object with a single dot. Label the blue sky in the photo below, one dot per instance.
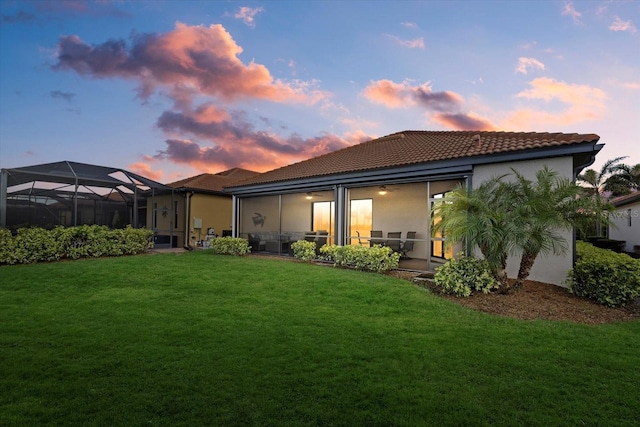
(170, 89)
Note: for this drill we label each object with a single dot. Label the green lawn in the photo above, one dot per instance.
(197, 339)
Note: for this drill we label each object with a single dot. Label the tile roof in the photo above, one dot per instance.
(413, 147)
(214, 182)
(626, 199)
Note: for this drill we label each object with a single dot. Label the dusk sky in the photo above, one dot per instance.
(171, 89)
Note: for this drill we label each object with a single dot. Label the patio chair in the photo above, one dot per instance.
(407, 245)
(321, 240)
(394, 240)
(376, 238)
(310, 236)
(359, 240)
(256, 243)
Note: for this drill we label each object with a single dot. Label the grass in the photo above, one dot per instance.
(196, 339)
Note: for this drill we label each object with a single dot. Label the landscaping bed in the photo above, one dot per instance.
(537, 300)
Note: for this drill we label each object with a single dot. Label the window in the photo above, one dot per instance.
(323, 216)
(438, 247)
(360, 220)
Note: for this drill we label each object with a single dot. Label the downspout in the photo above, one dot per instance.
(4, 179)
(187, 242)
(234, 216)
(429, 236)
(171, 219)
(467, 243)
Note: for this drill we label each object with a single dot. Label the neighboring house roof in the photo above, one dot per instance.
(626, 199)
(214, 182)
(413, 147)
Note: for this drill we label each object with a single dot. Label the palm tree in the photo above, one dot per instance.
(480, 217)
(625, 181)
(596, 182)
(542, 210)
(517, 216)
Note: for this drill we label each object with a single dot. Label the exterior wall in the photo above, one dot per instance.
(214, 211)
(551, 268)
(166, 225)
(622, 230)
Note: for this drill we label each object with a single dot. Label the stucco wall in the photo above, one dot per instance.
(165, 224)
(215, 212)
(622, 230)
(548, 269)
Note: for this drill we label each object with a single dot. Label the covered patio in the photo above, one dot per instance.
(394, 214)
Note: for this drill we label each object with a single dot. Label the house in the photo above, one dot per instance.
(626, 221)
(196, 209)
(389, 185)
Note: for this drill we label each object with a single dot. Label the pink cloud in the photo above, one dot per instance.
(413, 44)
(579, 103)
(580, 95)
(396, 95)
(234, 142)
(463, 122)
(247, 15)
(525, 64)
(145, 170)
(187, 60)
(444, 107)
(571, 11)
(620, 25)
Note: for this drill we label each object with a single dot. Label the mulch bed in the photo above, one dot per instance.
(537, 300)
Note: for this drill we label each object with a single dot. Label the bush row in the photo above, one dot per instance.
(34, 244)
(463, 275)
(230, 246)
(604, 276)
(379, 259)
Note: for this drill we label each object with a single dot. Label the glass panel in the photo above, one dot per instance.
(438, 247)
(324, 217)
(360, 220)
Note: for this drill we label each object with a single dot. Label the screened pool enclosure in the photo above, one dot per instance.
(69, 193)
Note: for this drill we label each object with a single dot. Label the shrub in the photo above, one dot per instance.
(230, 246)
(6, 247)
(379, 259)
(304, 250)
(34, 244)
(606, 277)
(463, 275)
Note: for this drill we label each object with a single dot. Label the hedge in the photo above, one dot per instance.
(607, 277)
(379, 259)
(34, 244)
